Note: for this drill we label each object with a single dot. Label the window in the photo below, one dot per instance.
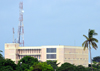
(80, 58)
(51, 50)
(30, 50)
(51, 56)
(39, 50)
(39, 56)
(19, 57)
(27, 50)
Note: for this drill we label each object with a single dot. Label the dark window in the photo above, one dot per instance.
(51, 50)
(19, 57)
(39, 56)
(51, 56)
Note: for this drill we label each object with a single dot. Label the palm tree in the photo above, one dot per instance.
(90, 41)
(0, 51)
(1, 57)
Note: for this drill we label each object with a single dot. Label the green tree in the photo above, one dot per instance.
(22, 67)
(81, 68)
(54, 63)
(1, 56)
(67, 67)
(90, 41)
(96, 59)
(27, 61)
(96, 65)
(7, 65)
(6, 68)
(41, 67)
(88, 69)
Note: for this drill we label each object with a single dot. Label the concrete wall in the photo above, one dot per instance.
(60, 54)
(10, 51)
(76, 55)
(43, 54)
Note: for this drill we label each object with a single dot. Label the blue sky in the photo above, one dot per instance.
(50, 22)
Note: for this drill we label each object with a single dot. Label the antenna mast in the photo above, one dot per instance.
(21, 25)
(13, 35)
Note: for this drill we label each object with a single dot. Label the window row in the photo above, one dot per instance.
(75, 51)
(51, 50)
(29, 51)
(35, 56)
(78, 58)
(51, 56)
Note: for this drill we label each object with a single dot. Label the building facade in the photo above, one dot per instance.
(72, 54)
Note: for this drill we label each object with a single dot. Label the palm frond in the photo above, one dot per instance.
(84, 48)
(86, 37)
(0, 51)
(94, 45)
(94, 39)
(95, 34)
(91, 33)
(85, 44)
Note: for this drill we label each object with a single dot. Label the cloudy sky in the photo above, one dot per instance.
(50, 22)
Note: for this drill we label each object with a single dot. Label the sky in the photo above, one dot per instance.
(50, 22)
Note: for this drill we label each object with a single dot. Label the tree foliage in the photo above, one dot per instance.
(90, 40)
(96, 59)
(41, 67)
(67, 67)
(6, 68)
(54, 63)
(27, 61)
(81, 68)
(1, 56)
(7, 65)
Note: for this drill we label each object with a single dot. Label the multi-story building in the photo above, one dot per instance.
(72, 54)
